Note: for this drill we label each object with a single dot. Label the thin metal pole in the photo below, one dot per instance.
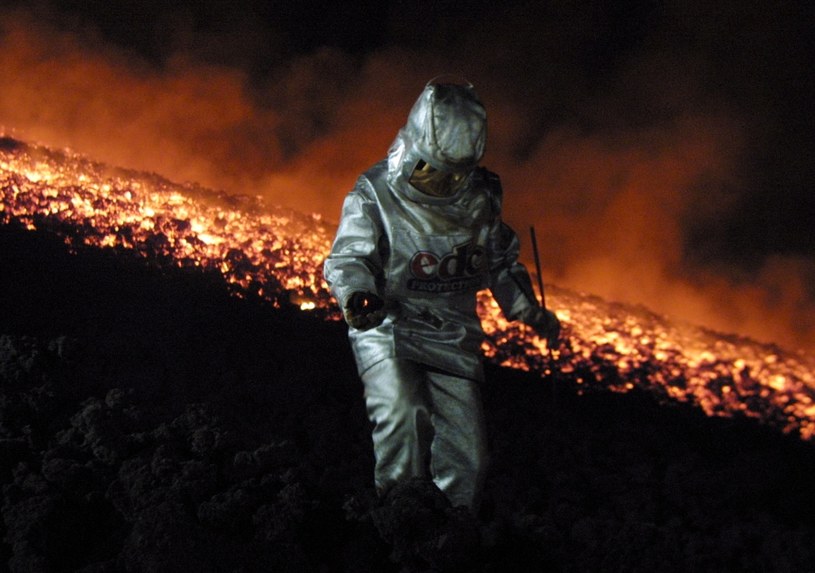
(543, 305)
(537, 265)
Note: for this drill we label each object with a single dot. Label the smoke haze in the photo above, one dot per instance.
(649, 147)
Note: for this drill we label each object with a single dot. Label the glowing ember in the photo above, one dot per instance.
(277, 255)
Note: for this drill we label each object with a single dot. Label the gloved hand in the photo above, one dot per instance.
(364, 310)
(546, 324)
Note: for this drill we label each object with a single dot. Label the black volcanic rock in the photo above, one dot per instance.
(151, 422)
(424, 530)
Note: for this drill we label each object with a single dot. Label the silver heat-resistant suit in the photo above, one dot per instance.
(420, 234)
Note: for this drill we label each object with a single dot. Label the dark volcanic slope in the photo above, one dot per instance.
(149, 422)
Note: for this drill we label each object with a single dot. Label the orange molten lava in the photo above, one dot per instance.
(277, 255)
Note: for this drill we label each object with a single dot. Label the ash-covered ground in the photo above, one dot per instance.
(151, 422)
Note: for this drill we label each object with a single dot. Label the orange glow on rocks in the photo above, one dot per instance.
(276, 255)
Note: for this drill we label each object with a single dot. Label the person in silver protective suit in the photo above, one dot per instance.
(420, 234)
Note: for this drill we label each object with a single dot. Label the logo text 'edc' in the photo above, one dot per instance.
(456, 271)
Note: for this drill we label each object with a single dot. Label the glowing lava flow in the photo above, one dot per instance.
(277, 255)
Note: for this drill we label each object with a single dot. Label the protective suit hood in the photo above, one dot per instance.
(446, 129)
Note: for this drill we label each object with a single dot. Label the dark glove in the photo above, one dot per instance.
(547, 325)
(364, 310)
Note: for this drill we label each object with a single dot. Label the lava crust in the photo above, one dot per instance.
(150, 421)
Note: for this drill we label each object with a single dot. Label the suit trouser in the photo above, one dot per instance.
(426, 422)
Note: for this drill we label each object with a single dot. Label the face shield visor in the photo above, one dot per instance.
(435, 182)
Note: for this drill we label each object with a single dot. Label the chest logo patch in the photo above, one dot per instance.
(456, 271)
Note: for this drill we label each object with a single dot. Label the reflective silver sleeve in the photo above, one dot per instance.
(509, 280)
(354, 261)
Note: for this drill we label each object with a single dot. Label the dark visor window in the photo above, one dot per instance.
(435, 182)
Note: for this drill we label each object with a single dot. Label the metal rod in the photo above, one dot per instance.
(550, 371)
(537, 265)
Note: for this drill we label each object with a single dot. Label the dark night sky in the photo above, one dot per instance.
(664, 148)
